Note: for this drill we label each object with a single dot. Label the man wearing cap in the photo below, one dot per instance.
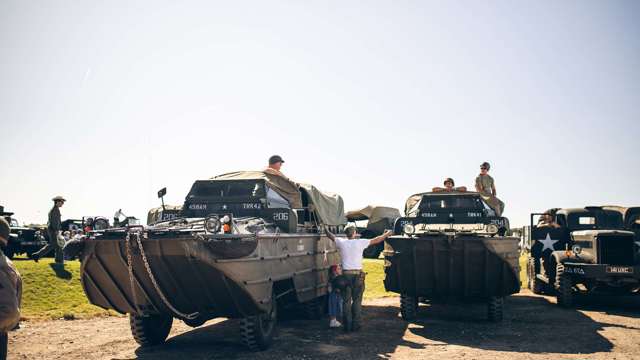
(53, 230)
(487, 189)
(351, 249)
(275, 163)
(10, 292)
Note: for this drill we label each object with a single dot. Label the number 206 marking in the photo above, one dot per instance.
(281, 216)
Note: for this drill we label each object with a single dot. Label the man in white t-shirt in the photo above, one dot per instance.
(351, 249)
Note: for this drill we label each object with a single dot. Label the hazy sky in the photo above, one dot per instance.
(107, 102)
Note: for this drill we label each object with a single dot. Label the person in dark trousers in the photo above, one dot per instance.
(10, 292)
(351, 249)
(53, 230)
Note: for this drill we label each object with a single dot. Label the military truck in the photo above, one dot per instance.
(450, 248)
(246, 244)
(378, 219)
(583, 251)
(23, 239)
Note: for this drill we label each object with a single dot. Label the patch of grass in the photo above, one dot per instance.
(374, 286)
(51, 292)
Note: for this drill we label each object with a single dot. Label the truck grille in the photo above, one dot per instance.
(616, 250)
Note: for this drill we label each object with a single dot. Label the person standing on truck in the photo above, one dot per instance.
(53, 230)
(275, 164)
(10, 292)
(351, 249)
(486, 186)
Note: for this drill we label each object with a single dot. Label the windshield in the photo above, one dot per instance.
(224, 189)
(450, 202)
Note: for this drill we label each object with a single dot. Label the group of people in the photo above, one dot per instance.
(485, 186)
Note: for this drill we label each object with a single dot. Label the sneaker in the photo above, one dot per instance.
(334, 323)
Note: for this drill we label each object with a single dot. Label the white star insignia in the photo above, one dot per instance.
(548, 243)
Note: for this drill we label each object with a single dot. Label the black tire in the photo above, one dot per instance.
(316, 308)
(564, 283)
(495, 309)
(257, 331)
(408, 307)
(150, 330)
(535, 285)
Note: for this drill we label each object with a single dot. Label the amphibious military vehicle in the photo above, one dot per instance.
(245, 244)
(451, 248)
(378, 219)
(583, 251)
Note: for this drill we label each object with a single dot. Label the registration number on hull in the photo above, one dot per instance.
(619, 270)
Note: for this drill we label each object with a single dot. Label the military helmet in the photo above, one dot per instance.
(58, 198)
(485, 165)
(453, 183)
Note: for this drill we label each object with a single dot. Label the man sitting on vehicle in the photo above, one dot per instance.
(548, 219)
(487, 189)
(351, 249)
(449, 186)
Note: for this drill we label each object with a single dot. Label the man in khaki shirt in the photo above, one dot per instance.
(10, 292)
(487, 189)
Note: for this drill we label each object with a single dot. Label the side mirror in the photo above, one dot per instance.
(162, 192)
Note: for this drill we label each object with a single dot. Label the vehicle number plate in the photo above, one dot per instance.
(619, 270)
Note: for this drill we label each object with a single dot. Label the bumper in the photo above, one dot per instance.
(602, 272)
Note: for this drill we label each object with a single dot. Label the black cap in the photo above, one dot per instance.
(275, 159)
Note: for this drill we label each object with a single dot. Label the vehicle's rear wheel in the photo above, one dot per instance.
(535, 285)
(315, 309)
(495, 309)
(150, 330)
(257, 331)
(408, 307)
(564, 284)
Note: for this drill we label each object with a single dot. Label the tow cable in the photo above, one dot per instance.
(151, 276)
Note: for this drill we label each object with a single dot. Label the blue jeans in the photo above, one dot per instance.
(335, 304)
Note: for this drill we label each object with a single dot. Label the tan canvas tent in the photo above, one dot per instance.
(279, 183)
(328, 207)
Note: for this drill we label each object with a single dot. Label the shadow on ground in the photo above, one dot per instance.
(295, 339)
(532, 324)
(60, 271)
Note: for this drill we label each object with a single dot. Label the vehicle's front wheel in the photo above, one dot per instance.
(564, 284)
(150, 330)
(408, 307)
(495, 309)
(257, 331)
(535, 285)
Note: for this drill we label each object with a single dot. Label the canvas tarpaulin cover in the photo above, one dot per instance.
(329, 207)
(373, 213)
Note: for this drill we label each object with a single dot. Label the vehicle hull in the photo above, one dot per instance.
(442, 266)
(213, 276)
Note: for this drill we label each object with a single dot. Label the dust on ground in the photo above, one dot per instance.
(533, 328)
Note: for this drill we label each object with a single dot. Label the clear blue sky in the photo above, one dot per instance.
(106, 102)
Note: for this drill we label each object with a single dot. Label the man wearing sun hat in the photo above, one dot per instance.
(10, 291)
(53, 230)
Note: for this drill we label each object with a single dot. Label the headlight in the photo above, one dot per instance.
(212, 225)
(408, 229)
(225, 219)
(492, 229)
(576, 249)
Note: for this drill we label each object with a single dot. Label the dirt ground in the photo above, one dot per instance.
(534, 328)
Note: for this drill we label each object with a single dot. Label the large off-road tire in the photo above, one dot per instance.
(150, 330)
(536, 285)
(495, 309)
(257, 331)
(564, 287)
(315, 309)
(408, 307)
